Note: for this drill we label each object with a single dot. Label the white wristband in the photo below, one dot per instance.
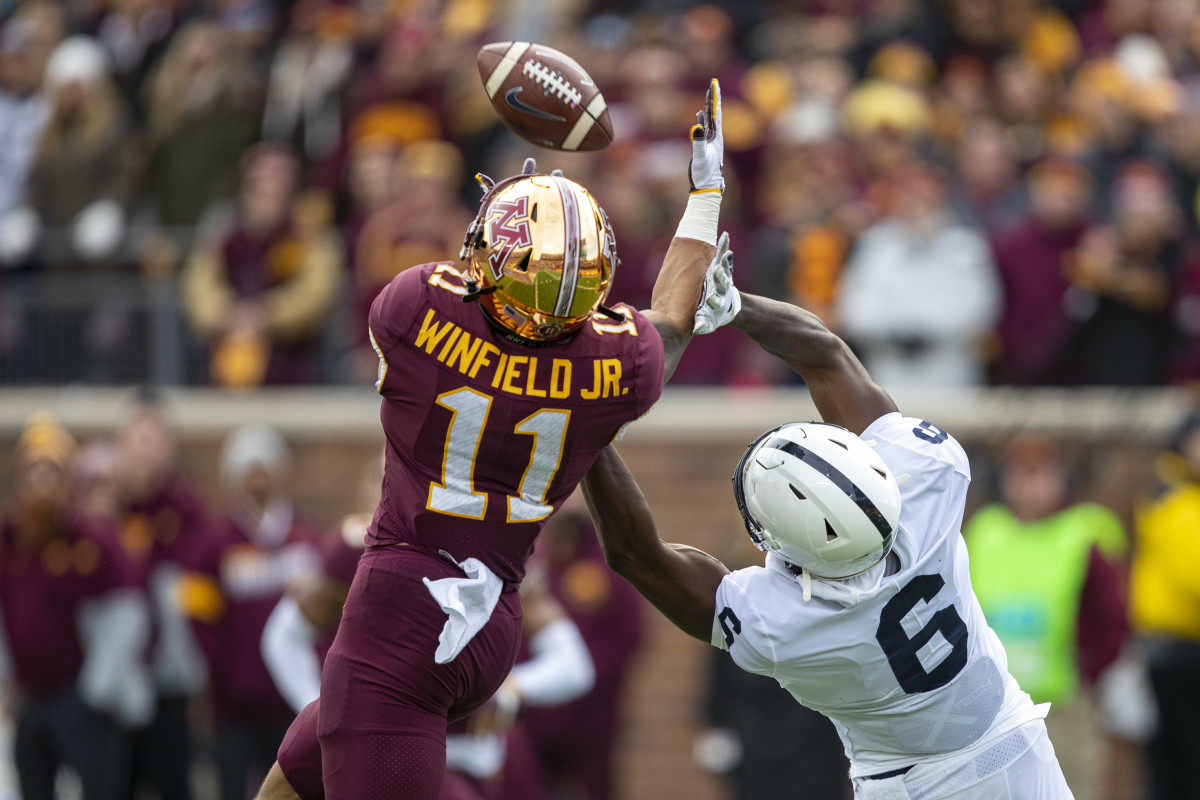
(700, 218)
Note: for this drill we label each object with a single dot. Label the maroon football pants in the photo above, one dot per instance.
(381, 720)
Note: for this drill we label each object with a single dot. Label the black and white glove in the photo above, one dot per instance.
(708, 145)
(721, 301)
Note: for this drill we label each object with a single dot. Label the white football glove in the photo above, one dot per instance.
(708, 145)
(721, 300)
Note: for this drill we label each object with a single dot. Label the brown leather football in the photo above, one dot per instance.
(544, 96)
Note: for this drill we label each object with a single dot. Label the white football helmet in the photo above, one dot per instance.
(818, 496)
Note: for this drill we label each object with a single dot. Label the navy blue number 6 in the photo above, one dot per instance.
(930, 432)
(901, 649)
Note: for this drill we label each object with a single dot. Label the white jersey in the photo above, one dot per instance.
(899, 657)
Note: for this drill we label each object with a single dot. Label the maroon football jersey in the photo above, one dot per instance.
(487, 436)
(251, 579)
(43, 591)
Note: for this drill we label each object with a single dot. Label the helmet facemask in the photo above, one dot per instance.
(539, 256)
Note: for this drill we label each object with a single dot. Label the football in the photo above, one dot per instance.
(544, 96)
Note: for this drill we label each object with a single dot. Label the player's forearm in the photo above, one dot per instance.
(796, 336)
(679, 580)
(841, 389)
(676, 295)
(677, 289)
(624, 524)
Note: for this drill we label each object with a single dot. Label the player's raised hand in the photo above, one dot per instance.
(721, 301)
(708, 145)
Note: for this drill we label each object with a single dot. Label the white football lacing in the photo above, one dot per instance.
(552, 82)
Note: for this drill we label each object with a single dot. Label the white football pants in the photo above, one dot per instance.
(1034, 775)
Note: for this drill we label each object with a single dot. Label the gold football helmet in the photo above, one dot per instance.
(540, 255)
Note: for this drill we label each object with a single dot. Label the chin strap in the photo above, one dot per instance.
(805, 584)
(474, 292)
(616, 316)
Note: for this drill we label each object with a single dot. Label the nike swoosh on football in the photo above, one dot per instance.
(513, 101)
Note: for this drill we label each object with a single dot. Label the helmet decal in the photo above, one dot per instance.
(508, 229)
(539, 256)
(571, 224)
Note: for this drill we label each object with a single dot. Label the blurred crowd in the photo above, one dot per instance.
(140, 652)
(970, 191)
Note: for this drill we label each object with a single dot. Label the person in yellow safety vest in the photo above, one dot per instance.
(1165, 613)
(1044, 570)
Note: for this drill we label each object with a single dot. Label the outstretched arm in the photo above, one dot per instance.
(680, 581)
(676, 294)
(841, 388)
(677, 290)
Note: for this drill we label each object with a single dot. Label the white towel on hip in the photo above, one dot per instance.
(881, 788)
(468, 603)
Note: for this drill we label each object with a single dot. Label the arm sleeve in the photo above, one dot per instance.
(1108, 533)
(1101, 626)
(298, 307)
(933, 474)
(178, 663)
(651, 365)
(207, 296)
(916, 443)
(739, 628)
(561, 669)
(114, 629)
(288, 652)
(199, 597)
(394, 309)
(6, 662)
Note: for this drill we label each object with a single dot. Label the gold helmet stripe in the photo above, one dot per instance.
(571, 227)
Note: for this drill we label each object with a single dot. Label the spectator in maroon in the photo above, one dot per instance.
(75, 623)
(251, 553)
(1184, 365)
(1122, 275)
(407, 81)
(1031, 257)
(575, 742)
(423, 221)
(371, 181)
(162, 521)
(260, 297)
(989, 191)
